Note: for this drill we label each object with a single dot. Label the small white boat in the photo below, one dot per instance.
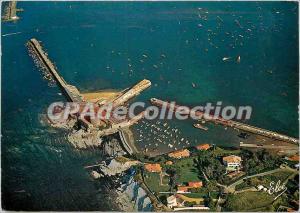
(226, 58)
(199, 126)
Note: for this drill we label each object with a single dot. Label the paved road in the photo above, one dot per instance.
(290, 147)
(251, 176)
(232, 186)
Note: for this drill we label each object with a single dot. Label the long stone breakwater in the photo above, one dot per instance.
(235, 124)
(46, 65)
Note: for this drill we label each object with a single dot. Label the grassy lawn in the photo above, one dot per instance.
(166, 180)
(196, 195)
(282, 176)
(242, 186)
(221, 152)
(198, 200)
(187, 170)
(153, 182)
(248, 200)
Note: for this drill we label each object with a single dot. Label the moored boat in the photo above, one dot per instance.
(199, 126)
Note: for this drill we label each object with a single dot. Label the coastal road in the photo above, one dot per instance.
(282, 168)
(268, 146)
(232, 186)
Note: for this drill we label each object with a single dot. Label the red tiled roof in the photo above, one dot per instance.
(155, 167)
(169, 162)
(232, 159)
(183, 188)
(205, 146)
(294, 158)
(195, 184)
(180, 153)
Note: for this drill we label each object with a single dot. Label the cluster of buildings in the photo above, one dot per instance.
(156, 167)
(180, 199)
(186, 153)
(177, 200)
(233, 163)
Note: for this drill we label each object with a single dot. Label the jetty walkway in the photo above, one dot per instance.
(70, 91)
(231, 123)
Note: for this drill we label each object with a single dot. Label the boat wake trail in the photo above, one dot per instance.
(9, 34)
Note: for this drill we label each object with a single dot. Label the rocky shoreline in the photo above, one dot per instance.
(135, 197)
(130, 196)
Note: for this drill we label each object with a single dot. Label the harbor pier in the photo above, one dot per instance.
(93, 128)
(232, 124)
(10, 11)
(70, 91)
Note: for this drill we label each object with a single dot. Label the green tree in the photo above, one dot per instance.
(209, 202)
(211, 166)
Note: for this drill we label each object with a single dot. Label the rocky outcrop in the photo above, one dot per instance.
(82, 139)
(96, 175)
(111, 146)
(115, 166)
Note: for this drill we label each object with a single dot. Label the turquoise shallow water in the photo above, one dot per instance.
(84, 39)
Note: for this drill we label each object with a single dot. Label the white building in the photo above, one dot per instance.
(172, 201)
(260, 187)
(232, 162)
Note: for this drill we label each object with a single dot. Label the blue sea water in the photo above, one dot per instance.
(92, 43)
